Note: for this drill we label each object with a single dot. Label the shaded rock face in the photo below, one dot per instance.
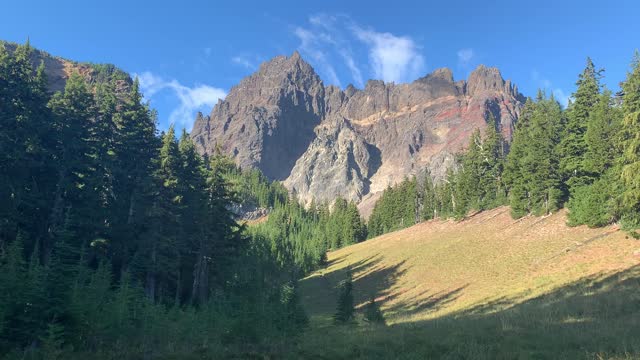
(327, 142)
(267, 121)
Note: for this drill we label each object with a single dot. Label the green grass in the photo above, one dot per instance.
(485, 288)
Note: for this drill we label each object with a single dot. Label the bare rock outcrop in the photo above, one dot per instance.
(267, 121)
(325, 142)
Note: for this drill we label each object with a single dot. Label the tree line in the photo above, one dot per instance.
(585, 157)
(301, 236)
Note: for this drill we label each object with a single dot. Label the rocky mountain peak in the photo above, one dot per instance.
(485, 79)
(326, 142)
(279, 104)
(442, 73)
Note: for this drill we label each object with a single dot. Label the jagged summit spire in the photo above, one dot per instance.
(485, 78)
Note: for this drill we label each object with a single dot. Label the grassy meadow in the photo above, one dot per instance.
(489, 287)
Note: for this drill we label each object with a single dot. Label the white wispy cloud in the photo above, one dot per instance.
(334, 41)
(191, 99)
(355, 71)
(332, 34)
(244, 61)
(546, 84)
(311, 45)
(465, 56)
(393, 58)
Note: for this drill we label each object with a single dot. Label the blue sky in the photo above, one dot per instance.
(189, 53)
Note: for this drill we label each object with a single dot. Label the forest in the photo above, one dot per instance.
(120, 240)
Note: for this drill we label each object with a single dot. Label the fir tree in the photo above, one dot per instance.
(630, 136)
(573, 145)
(532, 169)
(596, 204)
(344, 309)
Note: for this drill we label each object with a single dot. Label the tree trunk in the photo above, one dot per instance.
(151, 282)
(55, 219)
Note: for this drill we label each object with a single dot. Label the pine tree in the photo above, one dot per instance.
(27, 166)
(294, 317)
(493, 154)
(532, 170)
(596, 204)
(630, 136)
(160, 244)
(574, 146)
(428, 198)
(344, 309)
(470, 185)
(135, 150)
(75, 196)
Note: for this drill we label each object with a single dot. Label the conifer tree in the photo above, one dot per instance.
(597, 204)
(135, 150)
(573, 146)
(428, 198)
(76, 181)
(532, 169)
(344, 309)
(27, 165)
(630, 136)
(161, 242)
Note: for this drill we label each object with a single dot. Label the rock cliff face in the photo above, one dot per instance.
(324, 142)
(267, 120)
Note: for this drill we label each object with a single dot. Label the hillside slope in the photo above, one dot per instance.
(58, 70)
(488, 287)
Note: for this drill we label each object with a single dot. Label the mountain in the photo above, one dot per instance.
(324, 142)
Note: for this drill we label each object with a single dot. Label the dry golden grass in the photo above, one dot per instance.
(454, 266)
(488, 287)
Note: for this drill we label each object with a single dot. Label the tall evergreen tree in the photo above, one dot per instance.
(532, 169)
(630, 136)
(136, 148)
(573, 145)
(27, 144)
(597, 204)
(75, 197)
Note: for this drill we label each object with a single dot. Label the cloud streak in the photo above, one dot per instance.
(311, 44)
(244, 61)
(333, 41)
(191, 99)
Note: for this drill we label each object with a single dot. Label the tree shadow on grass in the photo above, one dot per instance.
(370, 279)
(425, 302)
(597, 317)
